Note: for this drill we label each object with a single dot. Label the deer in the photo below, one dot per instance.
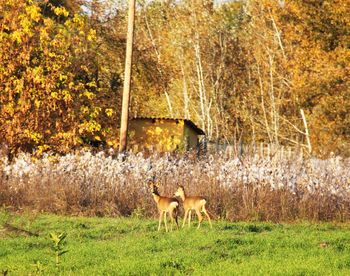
(165, 205)
(196, 203)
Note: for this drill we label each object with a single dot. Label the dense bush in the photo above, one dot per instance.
(251, 188)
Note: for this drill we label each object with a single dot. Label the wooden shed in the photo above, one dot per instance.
(163, 134)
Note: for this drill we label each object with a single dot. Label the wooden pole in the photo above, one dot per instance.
(127, 78)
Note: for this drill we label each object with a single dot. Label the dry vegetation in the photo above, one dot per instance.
(238, 189)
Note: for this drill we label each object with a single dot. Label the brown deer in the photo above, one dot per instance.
(196, 203)
(165, 205)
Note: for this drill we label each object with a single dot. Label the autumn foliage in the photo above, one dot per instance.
(243, 71)
(48, 78)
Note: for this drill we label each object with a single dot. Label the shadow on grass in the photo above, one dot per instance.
(247, 228)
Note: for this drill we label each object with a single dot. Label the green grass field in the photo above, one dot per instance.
(131, 246)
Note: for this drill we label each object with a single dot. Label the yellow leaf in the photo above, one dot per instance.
(109, 112)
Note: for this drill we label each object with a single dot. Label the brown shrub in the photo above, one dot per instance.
(249, 189)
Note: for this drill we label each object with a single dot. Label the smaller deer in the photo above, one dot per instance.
(196, 203)
(165, 205)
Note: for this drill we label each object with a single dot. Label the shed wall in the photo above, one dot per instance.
(158, 134)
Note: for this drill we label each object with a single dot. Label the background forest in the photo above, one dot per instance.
(244, 71)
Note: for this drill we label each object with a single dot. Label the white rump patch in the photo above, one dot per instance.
(174, 204)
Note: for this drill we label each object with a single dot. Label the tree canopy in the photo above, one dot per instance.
(241, 70)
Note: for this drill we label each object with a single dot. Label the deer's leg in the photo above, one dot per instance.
(200, 218)
(166, 227)
(160, 219)
(185, 217)
(189, 218)
(176, 214)
(206, 213)
(171, 219)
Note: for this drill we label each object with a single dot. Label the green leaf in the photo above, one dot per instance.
(62, 252)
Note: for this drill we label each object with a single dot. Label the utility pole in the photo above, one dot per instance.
(127, 78)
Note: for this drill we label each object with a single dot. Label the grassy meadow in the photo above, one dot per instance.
(104, 206)
(132, 246)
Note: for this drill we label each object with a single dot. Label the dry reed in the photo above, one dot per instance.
(251, 188)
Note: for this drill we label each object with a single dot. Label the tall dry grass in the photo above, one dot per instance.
(237, 189)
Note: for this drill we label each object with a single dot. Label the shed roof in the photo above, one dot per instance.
(186, 121)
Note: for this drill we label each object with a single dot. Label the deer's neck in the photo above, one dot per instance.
(183, 196)
(156, 197)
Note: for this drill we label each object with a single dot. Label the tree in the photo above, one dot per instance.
(297, 58)
(48, 82)
(186, 63)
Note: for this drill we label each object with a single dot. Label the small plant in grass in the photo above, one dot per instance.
(138, 213)
(58, 245)
(39, 267)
